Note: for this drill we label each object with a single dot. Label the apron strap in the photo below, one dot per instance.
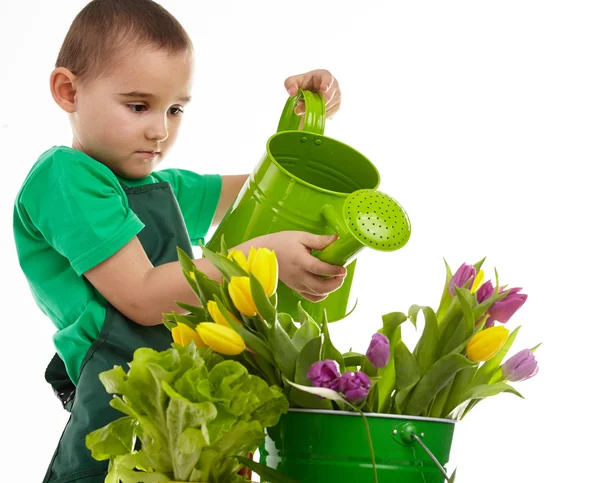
(56, 375)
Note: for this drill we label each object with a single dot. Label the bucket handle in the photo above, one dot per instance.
(314, 117)
(407, 434)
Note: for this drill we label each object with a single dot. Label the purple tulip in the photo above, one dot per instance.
(324, 374)
(378, 352)
(485, 292)
(503, 310)
(354, 386)
(462, 275)
(521, 366)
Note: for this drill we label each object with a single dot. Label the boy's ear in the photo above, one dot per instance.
(62, 87)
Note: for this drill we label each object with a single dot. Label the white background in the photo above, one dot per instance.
(483, 119)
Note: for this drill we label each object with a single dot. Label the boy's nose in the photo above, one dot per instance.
(157, 130)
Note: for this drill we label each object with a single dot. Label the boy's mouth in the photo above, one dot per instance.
(148, 154)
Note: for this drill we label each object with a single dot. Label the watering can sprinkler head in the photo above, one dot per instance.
(369, 218)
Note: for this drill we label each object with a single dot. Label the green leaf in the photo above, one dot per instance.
(284, 351)
(263, 305)
(266, 473)
(487, 370)
(252, 341)
(436, 407)
(112, 440)
(287, 322)
(227, 267)
(352, 359)
(319, 391)
(188, 267)
(446, 298)
(309, 354)
(426, 348)
(453, 477)
(328, 350)
(224, 249)
(461, 382)
(197, 310)
(391, 322)
(387, 375)
(434, 380)
(487, 390)
(307, 331)
(407, 373)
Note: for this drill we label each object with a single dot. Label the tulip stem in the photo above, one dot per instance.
(370, 443)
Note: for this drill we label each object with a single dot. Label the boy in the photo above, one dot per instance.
(96, 228)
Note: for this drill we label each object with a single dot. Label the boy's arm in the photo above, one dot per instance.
(230, 188)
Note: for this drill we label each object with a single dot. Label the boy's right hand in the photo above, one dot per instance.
(298, 268)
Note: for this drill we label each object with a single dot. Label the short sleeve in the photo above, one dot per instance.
(198, 196)
(78, 206)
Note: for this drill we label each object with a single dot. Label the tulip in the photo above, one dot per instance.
(485, 344)
(485, 292)
(519, 367)
(324, 374)
(221, 339)
(184, 334)
(460, 278)
(263, 265)
(217, 316)
(378, 352)
(238, 257)
(241, 296)
(503, 310)
(354, 386)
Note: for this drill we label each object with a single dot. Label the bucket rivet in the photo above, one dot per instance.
(395, 431)
(304, 139)
(318, 141)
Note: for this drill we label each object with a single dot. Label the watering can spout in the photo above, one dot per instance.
(368, 218)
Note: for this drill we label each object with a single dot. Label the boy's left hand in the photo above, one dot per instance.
(319, 80)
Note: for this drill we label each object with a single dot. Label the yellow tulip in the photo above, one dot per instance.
(221, 339)
(239, 257)
(485, 344)
(262, 263)
(217, 316)
(241, 296)
(183, 334)
(478, 281)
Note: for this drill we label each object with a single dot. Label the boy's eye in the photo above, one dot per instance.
(137, 107)
(174, 111)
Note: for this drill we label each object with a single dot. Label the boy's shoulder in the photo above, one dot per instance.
(61, 165)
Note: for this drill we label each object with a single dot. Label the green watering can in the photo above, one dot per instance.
(309, 182)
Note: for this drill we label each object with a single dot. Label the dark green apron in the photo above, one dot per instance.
(164, 230)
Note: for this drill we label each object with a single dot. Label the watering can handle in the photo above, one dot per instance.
(314, 119)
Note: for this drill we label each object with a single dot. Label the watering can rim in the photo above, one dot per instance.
(318, 188)
(373, 415)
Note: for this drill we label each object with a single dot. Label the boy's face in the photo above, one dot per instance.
(130, 118)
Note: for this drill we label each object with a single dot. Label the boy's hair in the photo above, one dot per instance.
(104, 27)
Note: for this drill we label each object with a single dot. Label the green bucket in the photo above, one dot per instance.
(322, 446)
(309, 182)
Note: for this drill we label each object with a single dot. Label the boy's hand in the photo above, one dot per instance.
(319, 80)
(298, 269)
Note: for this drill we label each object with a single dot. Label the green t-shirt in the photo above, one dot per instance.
(72, 214)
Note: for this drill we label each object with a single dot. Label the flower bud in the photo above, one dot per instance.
(324, 374)
(217, 316)
(354, 386)
(221, 339)
(520, 367)
(378, 352)
(503, 310)
(184, 334)
(241, 296)
(485, 344)
(460, 278)
(485, 292)
(263, 265)
(238, 257)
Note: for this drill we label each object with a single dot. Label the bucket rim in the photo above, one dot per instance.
(372, 415)
(305, 183)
